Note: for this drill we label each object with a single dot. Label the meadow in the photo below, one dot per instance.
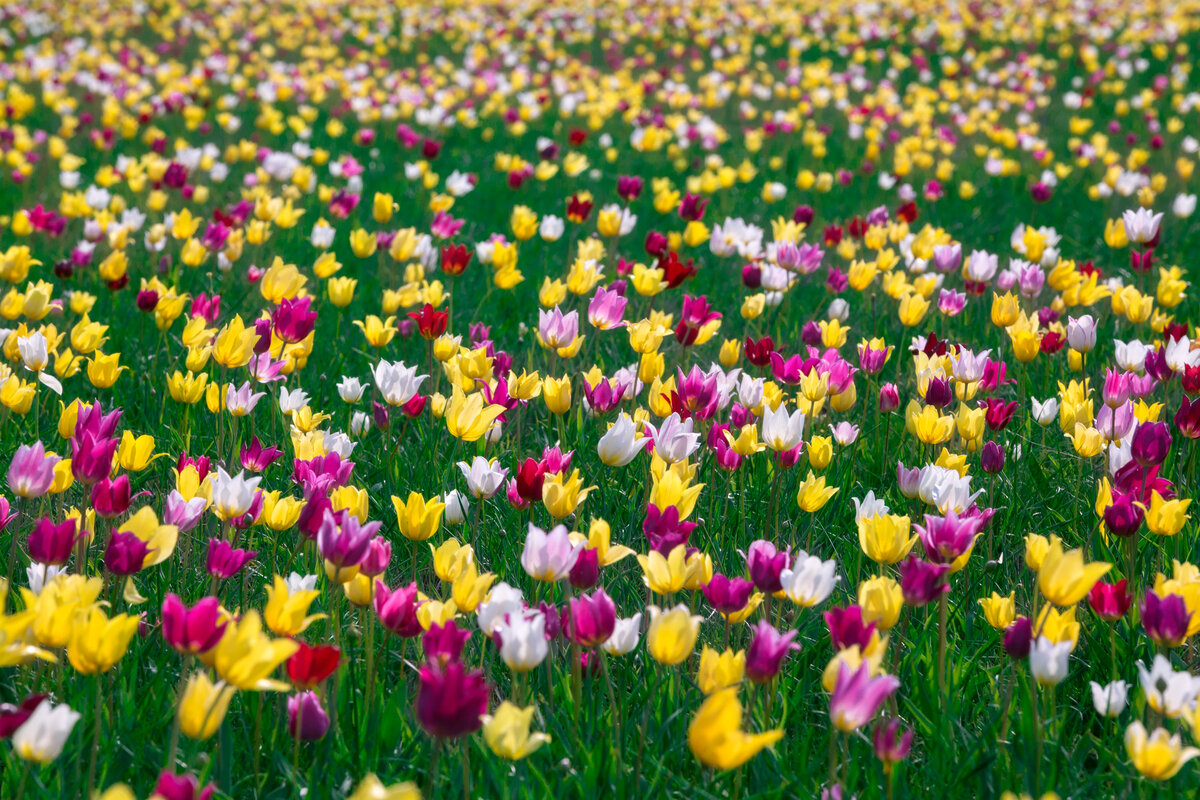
(641, 399)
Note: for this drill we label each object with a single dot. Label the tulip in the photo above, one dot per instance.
(507, 732)
(444, 643)
(922, 582)
(809, 580)
(1165, 619)
(890, 745)
(624, 636)
(1109, 700)
(1158, 756)
(451, 701)
(50, 543)
(195, 630)
(766, 565)
(1151, 443)
(720, 670)
(1110, 601)
(521, 636)
(97, 642)
(672, 634)
(1048, 661)
(857, 696)
(110, 496)
(307, 720)
(715, 734)
(1064, 578)
(728, 595)
(181, 787)
(31, 472)
(224, 560)
(202, 707)
(310, 666)
(41, 737)
(619, 445)
(549, 556)
(397, 610)
(768, 648)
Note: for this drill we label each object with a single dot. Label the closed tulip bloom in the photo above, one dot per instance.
(716, 737)
(451, 700)
(417, 517)
(31, 472)
(92, 457)
(521, 636)
(624, 636)
(728, 595)
(125, 554)
(1124, 516)
(181, 787)
(1165, 619)
(192, 630)
(397, 609)
(1110, 601)
(507, 732)
(884, 538)
(768, 649)
(484, 477)
(309, 666)
(1158, 756)
(1065, 578)
(619, 445)
(999, 611)
(307, 719)
(809, 580)
(111, 496)
(203, 706)
(1018, 638)
(1049, 661)
(672, 634)
(1109, 700)
(1081, 333)
(766, 565)
(882, 600)
(592, 619)
(857, 697)
(41, 737)
(1151, 443)
(50, 543)
(549, 556)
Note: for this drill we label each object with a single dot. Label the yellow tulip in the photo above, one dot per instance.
(672, 634)
(1065, 578)
(507, 732)
(203, 706)
(716, 737)
(97, 643)
(417, 517)
(720, 670)
(286, 613)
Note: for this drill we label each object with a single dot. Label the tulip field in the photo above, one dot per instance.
(646, 399)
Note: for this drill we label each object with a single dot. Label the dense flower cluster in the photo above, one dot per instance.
(392, 384)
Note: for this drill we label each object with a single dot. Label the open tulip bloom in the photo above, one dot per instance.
(496, 399)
